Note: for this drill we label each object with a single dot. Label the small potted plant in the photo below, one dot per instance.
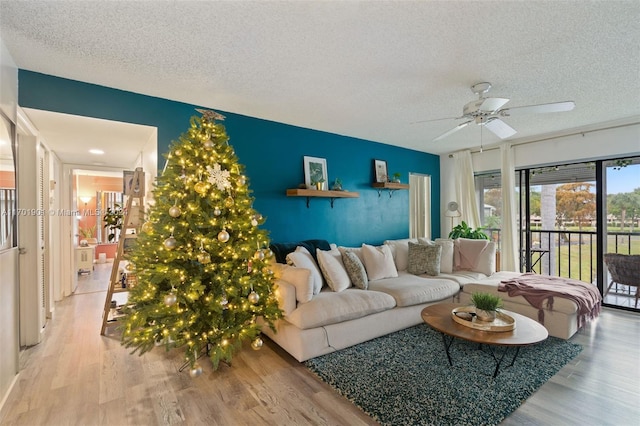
(319, 184)
(337, 185)
(395, 178)
(486, 306)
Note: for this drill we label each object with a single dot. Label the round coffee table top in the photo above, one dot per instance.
(527, 331)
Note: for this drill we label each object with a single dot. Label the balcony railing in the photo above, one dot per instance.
(570, 254)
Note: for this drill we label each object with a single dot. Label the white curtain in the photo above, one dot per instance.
(509, 259)
(419, 206)
(466, 190)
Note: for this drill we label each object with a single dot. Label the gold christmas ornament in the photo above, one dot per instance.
(242, 180)
(178, 152)
(170, 243)
(228, 202)
(174, 211)
(257, 344)
(196, 371)
(204, 257)
(147, 227)
(170, 299)
(253, 297)
(208, 144)
(254, 222)
(217, 211)
(259, 255)
(201, 188)
(223, 236)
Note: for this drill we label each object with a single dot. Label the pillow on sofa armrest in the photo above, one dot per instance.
(286, 295)
(301, 258)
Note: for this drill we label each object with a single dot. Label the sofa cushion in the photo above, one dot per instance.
(300, 278)
(475, 255)
(285, 294)
(408, 289)
(400, 251)
(378, 261)
(301, 258)
(461, 277)
(446, 257)
(330, 307)
(355, 269)
(490, 285)
(424, 259)
(330, 262)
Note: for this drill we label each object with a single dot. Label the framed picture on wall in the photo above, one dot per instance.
(315, 171)
(380, 170)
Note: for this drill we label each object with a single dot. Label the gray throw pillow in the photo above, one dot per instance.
(424, 259)
(355, 269)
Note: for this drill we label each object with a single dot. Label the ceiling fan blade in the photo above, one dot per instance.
(542, 108)
(500, 128)
(435, 119)
(493, 104)
(455, 129)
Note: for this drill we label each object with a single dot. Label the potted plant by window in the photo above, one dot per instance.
(465, 231)
(486, 306)
(88, 236)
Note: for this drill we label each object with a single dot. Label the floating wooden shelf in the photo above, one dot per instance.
(308, 193)
(389, 186)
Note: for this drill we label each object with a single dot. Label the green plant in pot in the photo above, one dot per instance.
(113, 221)
(465, 231)
(486, 306)
(395, 178)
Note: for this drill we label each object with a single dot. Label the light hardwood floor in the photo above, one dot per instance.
(77, 377)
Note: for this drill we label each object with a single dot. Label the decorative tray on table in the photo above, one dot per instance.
(466, 315)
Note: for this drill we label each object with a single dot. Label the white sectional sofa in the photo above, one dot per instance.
(318, 323)
(327, 315)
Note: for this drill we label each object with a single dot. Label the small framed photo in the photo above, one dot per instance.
(380, 170)
(315, 171)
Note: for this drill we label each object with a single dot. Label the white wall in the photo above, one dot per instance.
(9, 335)
(609, 140)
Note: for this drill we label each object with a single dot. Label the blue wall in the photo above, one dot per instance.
(272, 154)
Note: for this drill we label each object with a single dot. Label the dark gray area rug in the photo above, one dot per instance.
(404, 378)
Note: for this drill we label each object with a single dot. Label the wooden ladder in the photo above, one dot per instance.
(121, 281)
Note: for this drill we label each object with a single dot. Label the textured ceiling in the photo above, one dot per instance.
(362, 69)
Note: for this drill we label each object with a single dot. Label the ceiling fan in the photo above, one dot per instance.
(487, 112)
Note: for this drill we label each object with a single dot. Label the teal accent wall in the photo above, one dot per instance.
(272, 154)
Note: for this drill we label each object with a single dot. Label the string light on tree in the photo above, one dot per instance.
(222, 282)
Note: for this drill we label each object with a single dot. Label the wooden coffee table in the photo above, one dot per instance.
(527, 332)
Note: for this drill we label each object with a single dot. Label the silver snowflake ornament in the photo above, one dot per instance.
(218, 177)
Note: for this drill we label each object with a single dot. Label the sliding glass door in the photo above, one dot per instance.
(570, 216)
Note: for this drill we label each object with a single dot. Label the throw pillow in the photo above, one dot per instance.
(424, 259)
(301, 258)
(400, 250)
(446, 257)
(378, 261)
(355, 269)
(300, 278)
(333, 270)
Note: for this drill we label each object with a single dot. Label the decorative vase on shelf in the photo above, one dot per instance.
(319, 186)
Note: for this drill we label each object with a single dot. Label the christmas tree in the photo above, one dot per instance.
(201, 259)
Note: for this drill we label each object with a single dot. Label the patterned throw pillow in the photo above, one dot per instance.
(424, 259)
(355, 269)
